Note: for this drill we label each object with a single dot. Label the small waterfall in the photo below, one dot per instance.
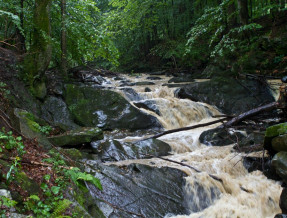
(238, 193)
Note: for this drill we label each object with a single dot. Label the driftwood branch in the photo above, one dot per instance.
(250, 113)
(185, 128)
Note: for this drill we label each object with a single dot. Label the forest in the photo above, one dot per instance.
(143, 108)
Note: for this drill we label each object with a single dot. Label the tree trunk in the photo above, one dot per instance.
(243, 11)
(39, 57)
(63, 39)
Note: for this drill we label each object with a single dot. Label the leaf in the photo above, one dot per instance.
(55, 190)
(34, 197)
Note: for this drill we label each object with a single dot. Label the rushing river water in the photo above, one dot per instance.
(238, 193)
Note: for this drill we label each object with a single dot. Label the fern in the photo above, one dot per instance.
(76, 175)
(61, 208)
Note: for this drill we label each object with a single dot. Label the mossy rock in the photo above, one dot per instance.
(272, 132)
(28, 185)
(30, 126)
(77, 137)
(105, 109)
(73, 153)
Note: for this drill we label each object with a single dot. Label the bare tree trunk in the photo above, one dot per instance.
(63, 39)
(243, 11)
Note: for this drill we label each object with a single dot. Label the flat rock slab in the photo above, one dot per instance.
(77, 137)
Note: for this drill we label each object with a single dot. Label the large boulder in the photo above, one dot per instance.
(55, 111)
(230, 95)
(77, 137)
(31, 126)
(140, 189)
(105, 109)
(114, 150)
(148, 105)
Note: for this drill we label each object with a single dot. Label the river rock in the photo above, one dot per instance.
(113, 150)
(105, 109)
(77, 137)
(279, 143)
(181, 79)
(147, 89)
(148, 105)
(153, 78)
(280, 215)
(279, 162)
(221, 137)
(144, 83)
(271, 133)
(140, 189)
(131, 94)
(230, 95)
(56, 112)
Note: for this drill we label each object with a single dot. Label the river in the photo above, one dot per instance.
(235, 192)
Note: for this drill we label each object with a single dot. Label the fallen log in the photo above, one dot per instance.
(250, 113)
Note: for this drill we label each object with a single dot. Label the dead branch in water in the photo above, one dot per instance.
(250, 113)
(185, 128)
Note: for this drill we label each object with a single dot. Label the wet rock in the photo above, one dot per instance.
(113, 150)
(147, 89)
(140, 189)
(144, 83)
(279, 162)
(181, 79)
(174, 85)
(106, 109)
(158, 73)
(280, 215)
(148, 105)
(231, 96)
(77, 137)
(126, 83)
(198, 197)
(131, 94)
(56, 112)
(279, 143)
(183, 94)
(221, 137)
(264, 165)
(118, 78)
(283, 201)
(153, 78)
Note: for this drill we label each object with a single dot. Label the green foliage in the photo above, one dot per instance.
(6, 204)
(77, 176)
(43, 129)
(10, 142)
(4, 90)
